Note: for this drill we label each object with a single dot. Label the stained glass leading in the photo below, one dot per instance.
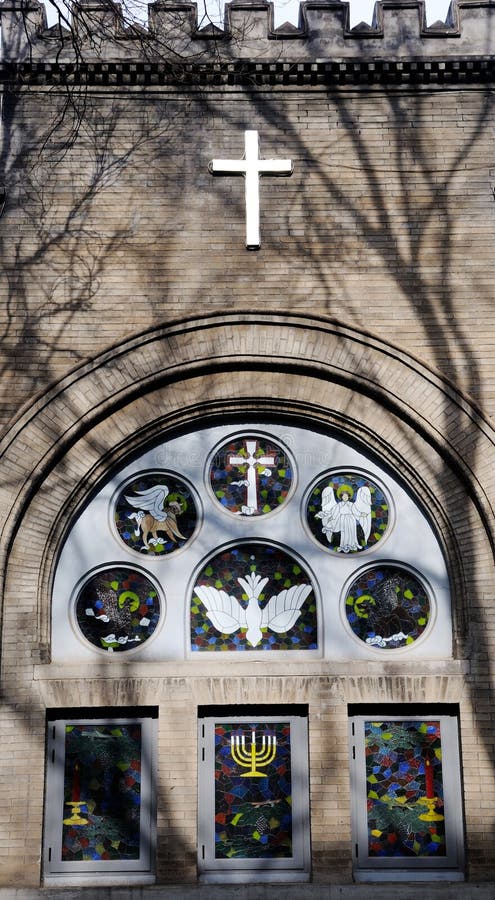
(118, 609)
(347, 512)
(387, 607)
(251, 476)
(404, 789)
(102, 792)
(253, 803)
(155, 514)
(253, 596)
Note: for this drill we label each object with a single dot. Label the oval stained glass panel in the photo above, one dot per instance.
(155, 514)
(387, 607)
(347, 512)
(253, 597)
(117, 609)
(250, 476)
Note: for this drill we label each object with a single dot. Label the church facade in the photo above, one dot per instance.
(248, 460)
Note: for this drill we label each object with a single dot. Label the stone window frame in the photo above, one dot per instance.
(142, 871)
(296, 869)
(92, 543)
(448, 868)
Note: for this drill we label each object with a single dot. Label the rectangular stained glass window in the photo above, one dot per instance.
(99, 797)
(253, 797)
(406, 793)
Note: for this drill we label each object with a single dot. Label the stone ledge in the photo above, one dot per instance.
(404, 890)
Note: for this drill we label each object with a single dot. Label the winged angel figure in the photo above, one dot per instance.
(153, 516)
(344, 515)
(228, 615)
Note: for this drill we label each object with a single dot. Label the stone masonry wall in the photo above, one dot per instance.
(369, 307)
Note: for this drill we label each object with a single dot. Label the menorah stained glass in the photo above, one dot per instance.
(250, 475)
(253, 804)
(387, 607)
(253, 596)
(118, 609)
(102, 792)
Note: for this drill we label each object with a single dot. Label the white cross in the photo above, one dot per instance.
(251, 167)
(251, 481)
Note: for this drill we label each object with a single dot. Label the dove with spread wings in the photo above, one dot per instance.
(227, 614)
(153, 516)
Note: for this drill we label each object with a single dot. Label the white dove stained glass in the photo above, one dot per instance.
(249, 606)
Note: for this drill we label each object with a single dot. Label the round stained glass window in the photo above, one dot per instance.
(250, 476)
(155, 514)
(387, 607)
(347, 512)
(117, 609)
(253, 597)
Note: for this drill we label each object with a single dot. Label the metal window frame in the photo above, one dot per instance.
(118, 871)
(449, 867)
(296, 868)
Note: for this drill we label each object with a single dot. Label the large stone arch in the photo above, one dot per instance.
(304, 368)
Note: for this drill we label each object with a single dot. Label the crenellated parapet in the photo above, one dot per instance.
(98, 35)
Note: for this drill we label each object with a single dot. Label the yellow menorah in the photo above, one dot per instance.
(253, 757)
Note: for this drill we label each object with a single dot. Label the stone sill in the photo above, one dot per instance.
(217, 668)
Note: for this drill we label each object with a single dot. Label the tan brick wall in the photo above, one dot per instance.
(387, 226)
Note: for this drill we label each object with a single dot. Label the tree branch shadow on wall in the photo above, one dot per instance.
(63, 248)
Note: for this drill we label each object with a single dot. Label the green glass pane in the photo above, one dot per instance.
(404, 789)
(102, 792)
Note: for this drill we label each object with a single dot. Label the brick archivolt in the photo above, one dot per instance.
(305, 369)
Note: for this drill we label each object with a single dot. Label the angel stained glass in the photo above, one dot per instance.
(347, 512)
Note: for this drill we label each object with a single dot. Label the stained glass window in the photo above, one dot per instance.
(387, 607)
(117, 609)
(155, 513)
(347, 512)
(102, 792)
(253, 793)
(251, 476)
(253, 814)
(405, 774)
(253, 597)
(99, 802)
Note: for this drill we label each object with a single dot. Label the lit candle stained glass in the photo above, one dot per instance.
(398, 783)
(102, 772)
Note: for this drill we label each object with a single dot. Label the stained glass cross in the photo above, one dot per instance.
(251, 481)
(251, 167)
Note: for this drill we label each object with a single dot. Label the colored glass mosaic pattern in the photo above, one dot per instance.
(102, 792)
(155, 514)
(253, 596)
(405, 789)
(347, 512)
(387, 607)
(251, 476)
(118, 609)
(253, 812)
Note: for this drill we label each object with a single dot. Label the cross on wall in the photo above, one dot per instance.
(251, 167)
